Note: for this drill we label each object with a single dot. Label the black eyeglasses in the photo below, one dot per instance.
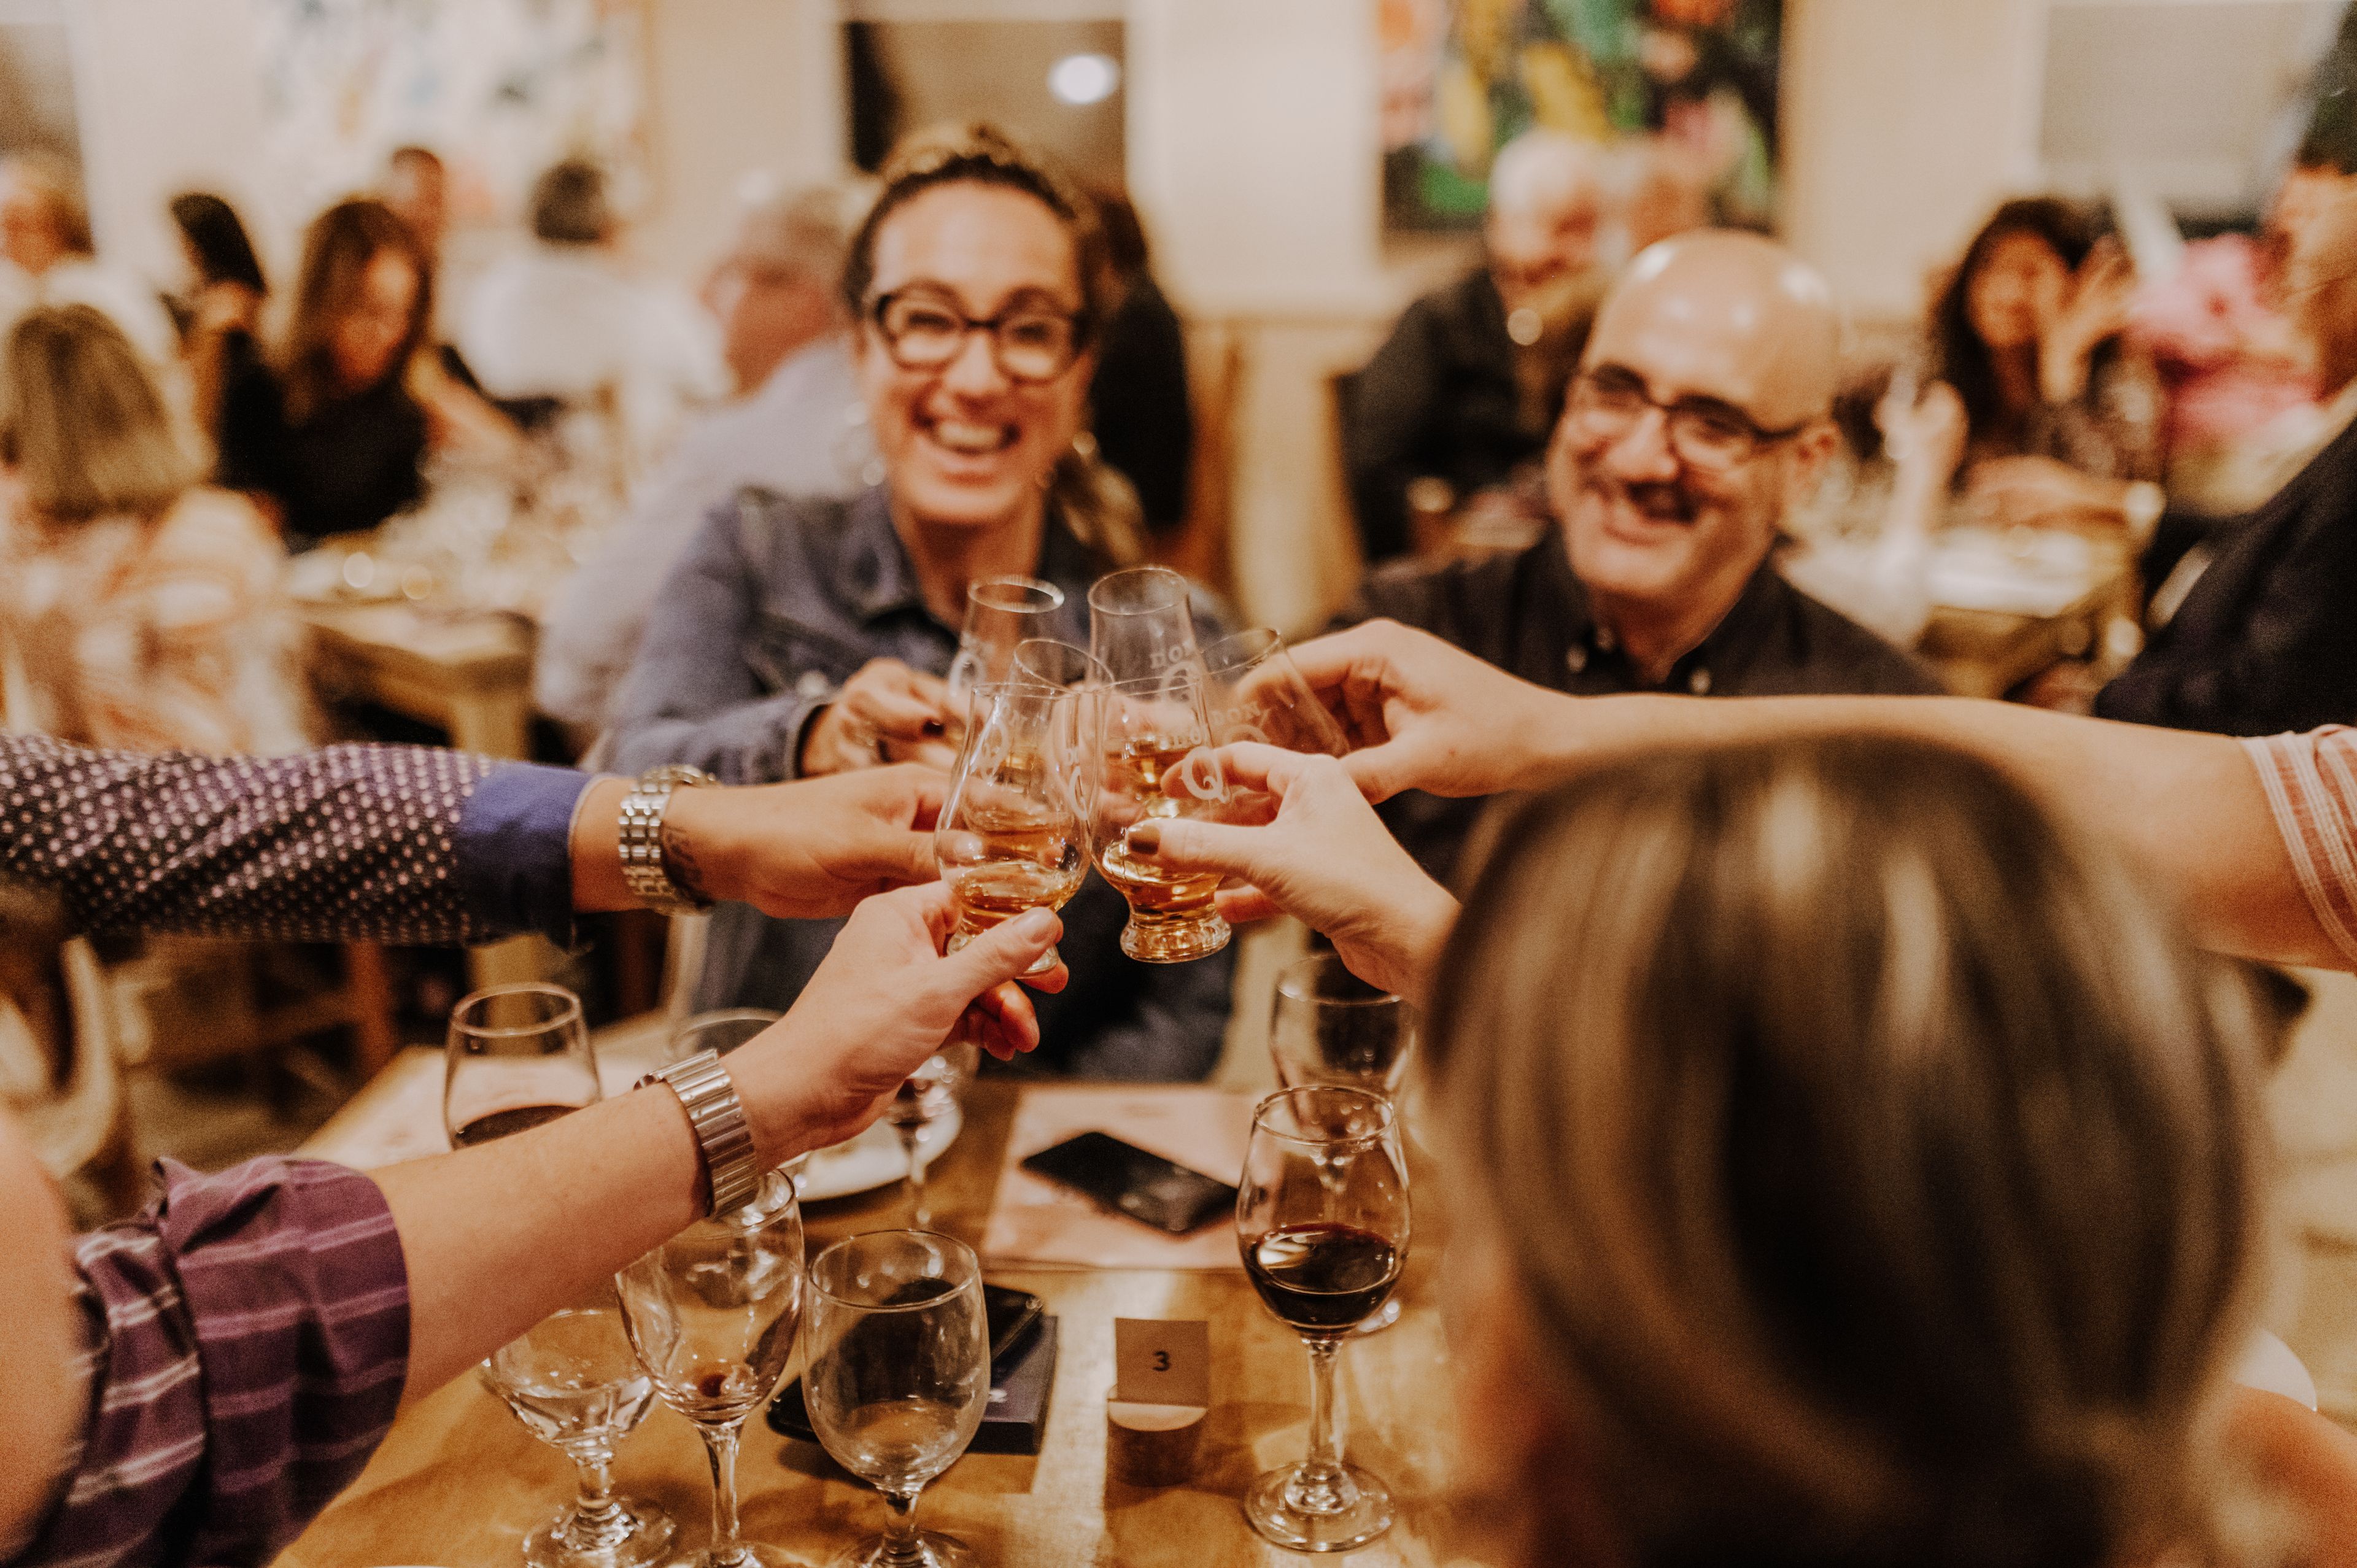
(1706, 434)
(924, 331)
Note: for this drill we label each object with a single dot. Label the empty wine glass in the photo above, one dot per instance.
(1257, 693)
(1154, 734)
(1141, 622)
(1328, 1027)
(516, 1055)
(575, 1384)
(1000, 612)
(924, 1097)
(1013, 833)
(899, 1377)
(712, 1314)
(1322, 1219)
(721, 1031)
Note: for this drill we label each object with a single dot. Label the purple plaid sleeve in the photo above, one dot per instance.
(247, 1340)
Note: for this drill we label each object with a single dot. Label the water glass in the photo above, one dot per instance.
(924, 1097)
(517, 1056)
(574, 1383)
(711, 1315)
(899, 1377)
(1328, 1027)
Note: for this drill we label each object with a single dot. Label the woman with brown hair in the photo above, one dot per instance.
(799, 636)
(139, 609)
(1847, 1164)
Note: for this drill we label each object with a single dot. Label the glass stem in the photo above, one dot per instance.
(595, 1511)
(903, 1547)
(720, 1447)
(1324, 1435)
(921, 1215)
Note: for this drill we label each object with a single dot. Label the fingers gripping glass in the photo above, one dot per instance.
(924, 331)
(1706, 434)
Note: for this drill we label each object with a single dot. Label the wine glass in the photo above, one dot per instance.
(899, 1377)
(516, 1055)
(1328, 1027)
(924, 1097)
(574, 1383)
(1153, 734)
(1000, 612)
(1141, 623)
(721, 1031)
(1013, 833)
(1257, 693)
(712, 1314)
(1322, 1219)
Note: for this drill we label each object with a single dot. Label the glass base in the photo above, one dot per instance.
(1046, 960)
(638, 1538)
(1339, 1511)
(1175, 941)
(934, 1550)
(748, 1554)
(1384, 1317)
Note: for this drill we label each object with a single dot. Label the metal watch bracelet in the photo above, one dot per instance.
(722, 1132)
(639, 836)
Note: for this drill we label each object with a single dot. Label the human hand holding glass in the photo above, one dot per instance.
(1322, 1221)
(711, 1315)
(898, 1376)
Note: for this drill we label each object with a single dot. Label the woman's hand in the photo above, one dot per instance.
(882, 1002)
(1926, 436)
(2094, 309)
(1326, 859)
(886, 713)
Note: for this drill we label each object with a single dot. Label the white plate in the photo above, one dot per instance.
(873, 1159)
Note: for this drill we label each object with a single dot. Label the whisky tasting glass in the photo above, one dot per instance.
(1000, 612)
(1140, 623)
(516, 1055)
(899, 1377)
(1257, 693)
(721, 1031)
(924, 1097)
(1322, 1220)
(574, 1383)
(1013, 833)
(711, 1314)
(1154, 763)
(1327, 1026)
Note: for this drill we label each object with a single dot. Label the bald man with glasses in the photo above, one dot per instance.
(1700, 416)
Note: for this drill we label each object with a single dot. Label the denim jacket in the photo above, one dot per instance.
(776, 602)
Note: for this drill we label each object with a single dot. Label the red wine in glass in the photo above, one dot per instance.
(1322, 1278)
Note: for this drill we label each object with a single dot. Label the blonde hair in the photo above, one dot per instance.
(83, 425)
(1882, 1174)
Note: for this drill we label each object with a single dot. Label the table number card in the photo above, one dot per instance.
(1157, 1361)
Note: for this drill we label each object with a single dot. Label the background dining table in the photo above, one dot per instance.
(458, 1483)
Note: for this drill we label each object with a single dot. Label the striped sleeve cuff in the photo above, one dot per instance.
(2312, 787)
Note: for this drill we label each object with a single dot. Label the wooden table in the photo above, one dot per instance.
(467, 674)
(458, 1483)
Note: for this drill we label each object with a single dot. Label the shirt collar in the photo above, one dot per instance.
(1720, 658)
(876, 577)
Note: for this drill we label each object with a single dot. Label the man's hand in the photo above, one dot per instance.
(885, 713)
(1423, 714)
(806, 850)
(1326, 859)
(882, 1002)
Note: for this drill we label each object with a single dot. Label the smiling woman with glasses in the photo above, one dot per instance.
(802, 637)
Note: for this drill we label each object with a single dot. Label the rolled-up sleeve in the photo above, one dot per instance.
(246, 1343)
(2312, 787)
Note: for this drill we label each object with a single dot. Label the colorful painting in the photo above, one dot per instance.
(1691, 81)
(501, 88)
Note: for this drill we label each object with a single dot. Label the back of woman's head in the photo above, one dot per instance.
(338, 250)
(82, 426)
(1876, 1171)
(218, 240)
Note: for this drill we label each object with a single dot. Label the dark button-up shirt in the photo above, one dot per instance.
(1528, 612)
(775, 604)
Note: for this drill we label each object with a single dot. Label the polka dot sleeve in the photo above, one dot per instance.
(350, 843)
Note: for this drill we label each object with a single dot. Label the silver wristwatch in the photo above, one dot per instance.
(722, 1132)
(644, 871)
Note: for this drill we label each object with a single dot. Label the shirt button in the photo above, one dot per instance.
(1699, 683)
(813, 683)
(1604, 638)
(1577, 658)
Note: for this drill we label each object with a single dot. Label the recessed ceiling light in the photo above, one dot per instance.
(1084, 79)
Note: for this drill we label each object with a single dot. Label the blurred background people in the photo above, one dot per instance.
(50, 259)
(799, 636)
(1139, 410)
(796, 428)
(559, 325)
(1701, 415)
(1468, 385)
(223, 297)
(417, 188)
(141, 609)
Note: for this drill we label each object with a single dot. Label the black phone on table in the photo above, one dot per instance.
(1011, 1318)
(1129, 1180)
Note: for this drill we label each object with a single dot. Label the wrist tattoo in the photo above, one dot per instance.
(681, 865)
